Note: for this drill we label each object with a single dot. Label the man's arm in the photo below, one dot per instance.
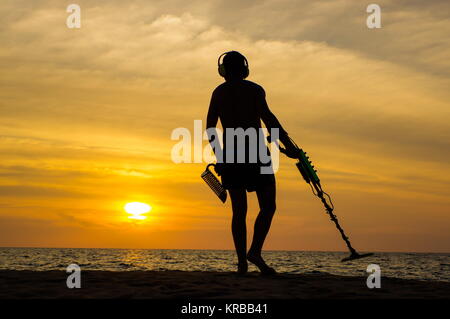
(211, 122)
(271, 121)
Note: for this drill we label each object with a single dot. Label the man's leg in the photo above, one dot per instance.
(238, 225)
(266, 199)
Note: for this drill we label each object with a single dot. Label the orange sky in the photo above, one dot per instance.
(86, 117)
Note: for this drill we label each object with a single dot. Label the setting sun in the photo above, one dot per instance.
(136, 210)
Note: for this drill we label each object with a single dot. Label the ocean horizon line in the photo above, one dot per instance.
(207, 249)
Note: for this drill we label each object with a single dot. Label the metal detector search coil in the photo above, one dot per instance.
(214, 183)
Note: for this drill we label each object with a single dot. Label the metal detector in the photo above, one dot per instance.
(309, 174)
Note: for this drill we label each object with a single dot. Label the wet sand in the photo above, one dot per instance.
(209, 285)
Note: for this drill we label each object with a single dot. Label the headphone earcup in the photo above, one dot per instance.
(246, 72)
(222, 70)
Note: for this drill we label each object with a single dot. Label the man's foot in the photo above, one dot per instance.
(242, 268)
(259, 262)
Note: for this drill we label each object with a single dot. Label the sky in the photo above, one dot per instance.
(86, 117)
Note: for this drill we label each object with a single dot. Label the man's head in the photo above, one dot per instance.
(234, 66)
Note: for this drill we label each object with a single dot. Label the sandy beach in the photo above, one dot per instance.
(209, 285)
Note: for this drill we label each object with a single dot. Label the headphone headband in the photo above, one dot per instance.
(221, 66)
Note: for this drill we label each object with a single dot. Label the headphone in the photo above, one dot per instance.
(222, 69)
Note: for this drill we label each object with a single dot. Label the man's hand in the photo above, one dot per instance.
(218, 168)
(291, 151)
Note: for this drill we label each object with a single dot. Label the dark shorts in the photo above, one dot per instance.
(246, 176)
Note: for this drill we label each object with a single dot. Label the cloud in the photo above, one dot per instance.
(413, 33)
(30, 191)
(95, 107)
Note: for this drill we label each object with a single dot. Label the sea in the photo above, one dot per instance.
(419, 266)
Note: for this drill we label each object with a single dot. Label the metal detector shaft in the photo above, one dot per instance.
(334, 219)
(353, 253)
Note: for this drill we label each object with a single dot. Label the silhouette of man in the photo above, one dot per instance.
(239, 103)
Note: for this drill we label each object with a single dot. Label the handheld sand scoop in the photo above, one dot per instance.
(214, 183)
(309, 174)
